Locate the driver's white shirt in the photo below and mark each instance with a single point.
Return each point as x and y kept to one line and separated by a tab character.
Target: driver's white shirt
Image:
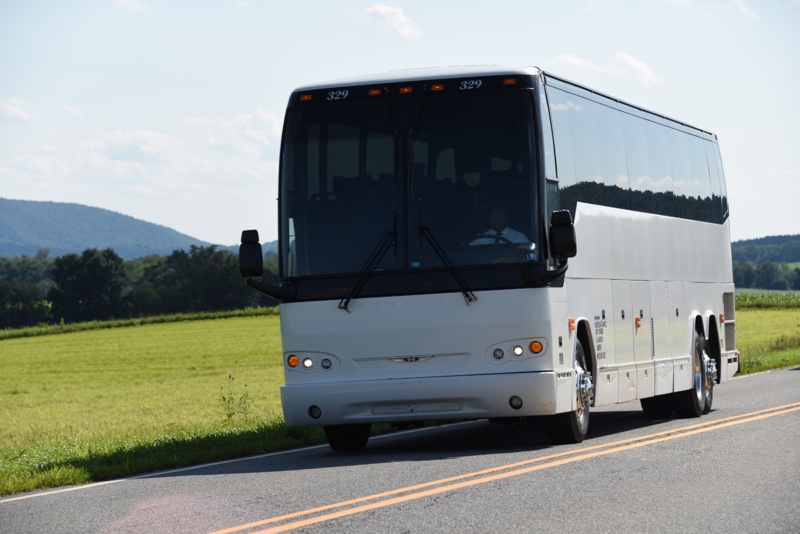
508	233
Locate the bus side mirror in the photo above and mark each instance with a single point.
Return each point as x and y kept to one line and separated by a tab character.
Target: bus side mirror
251	260
563	243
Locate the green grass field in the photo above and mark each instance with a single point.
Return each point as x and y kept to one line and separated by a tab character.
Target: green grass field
94	404
99	403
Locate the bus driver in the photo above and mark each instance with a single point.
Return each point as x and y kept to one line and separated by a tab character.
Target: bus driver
499	232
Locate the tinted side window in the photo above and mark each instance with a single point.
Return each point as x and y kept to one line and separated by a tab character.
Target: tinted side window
547	139
720	195
651	187
562	105
692	179
608	157
590	152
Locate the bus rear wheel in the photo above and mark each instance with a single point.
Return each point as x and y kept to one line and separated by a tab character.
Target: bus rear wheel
697	400
347	438
571	427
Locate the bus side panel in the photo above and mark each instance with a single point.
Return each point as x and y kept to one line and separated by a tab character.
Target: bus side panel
592	301
679	327
615	244
623	325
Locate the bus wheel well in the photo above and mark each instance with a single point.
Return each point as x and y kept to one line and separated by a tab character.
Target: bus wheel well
698	325
712	345
585	337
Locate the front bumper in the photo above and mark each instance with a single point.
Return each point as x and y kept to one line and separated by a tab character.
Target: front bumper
426	399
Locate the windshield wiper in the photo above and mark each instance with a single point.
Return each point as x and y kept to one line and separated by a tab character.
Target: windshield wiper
369	267
469	296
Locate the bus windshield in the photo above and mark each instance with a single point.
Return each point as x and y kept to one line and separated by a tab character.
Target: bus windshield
417	183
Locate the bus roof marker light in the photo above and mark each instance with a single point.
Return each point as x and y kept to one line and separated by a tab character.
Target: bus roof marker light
306	98
510	81
406	90
374	92
437	87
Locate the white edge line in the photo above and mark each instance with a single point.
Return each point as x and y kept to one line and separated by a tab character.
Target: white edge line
203	466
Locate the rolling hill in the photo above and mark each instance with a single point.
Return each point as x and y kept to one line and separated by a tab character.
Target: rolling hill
776	249
27	226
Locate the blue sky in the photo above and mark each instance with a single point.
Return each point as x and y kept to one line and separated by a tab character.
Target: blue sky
170	111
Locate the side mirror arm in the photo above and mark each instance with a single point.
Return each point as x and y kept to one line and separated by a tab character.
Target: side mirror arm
251	266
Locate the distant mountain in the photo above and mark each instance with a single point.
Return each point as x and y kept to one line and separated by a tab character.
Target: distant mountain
27	226
776	249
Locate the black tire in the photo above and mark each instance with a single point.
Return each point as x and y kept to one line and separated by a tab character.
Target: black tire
348	438
659	407
694	402
572	427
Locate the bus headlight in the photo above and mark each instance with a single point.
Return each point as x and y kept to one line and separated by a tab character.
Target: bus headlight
520	349
312	362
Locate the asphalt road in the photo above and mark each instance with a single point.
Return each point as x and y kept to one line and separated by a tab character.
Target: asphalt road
734	470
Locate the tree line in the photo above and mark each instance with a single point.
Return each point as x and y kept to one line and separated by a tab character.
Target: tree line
766	275
100	285
776	249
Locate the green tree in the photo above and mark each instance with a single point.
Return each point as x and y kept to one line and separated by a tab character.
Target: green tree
770	275
89	287
22	304
743	274
202	279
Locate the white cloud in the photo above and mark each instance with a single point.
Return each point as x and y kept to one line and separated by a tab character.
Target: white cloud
393	20
248	134
72	110
743	9
622	64
627	65
131	5
569	106
140	153
15	110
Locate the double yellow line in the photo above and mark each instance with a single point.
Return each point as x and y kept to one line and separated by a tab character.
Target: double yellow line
388	498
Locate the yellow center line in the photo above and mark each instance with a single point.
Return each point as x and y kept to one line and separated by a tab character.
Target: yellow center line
511	470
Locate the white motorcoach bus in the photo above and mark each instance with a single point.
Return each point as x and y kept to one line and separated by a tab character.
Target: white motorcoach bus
470	243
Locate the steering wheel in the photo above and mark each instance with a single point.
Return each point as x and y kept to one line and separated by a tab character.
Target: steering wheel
504	240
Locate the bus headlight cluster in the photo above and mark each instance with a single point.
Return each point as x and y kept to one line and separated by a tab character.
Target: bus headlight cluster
310	362
517	350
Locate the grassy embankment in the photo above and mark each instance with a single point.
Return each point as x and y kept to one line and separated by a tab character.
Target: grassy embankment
97	402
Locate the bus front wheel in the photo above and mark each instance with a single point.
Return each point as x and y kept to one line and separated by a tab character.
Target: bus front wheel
347	438
571	427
